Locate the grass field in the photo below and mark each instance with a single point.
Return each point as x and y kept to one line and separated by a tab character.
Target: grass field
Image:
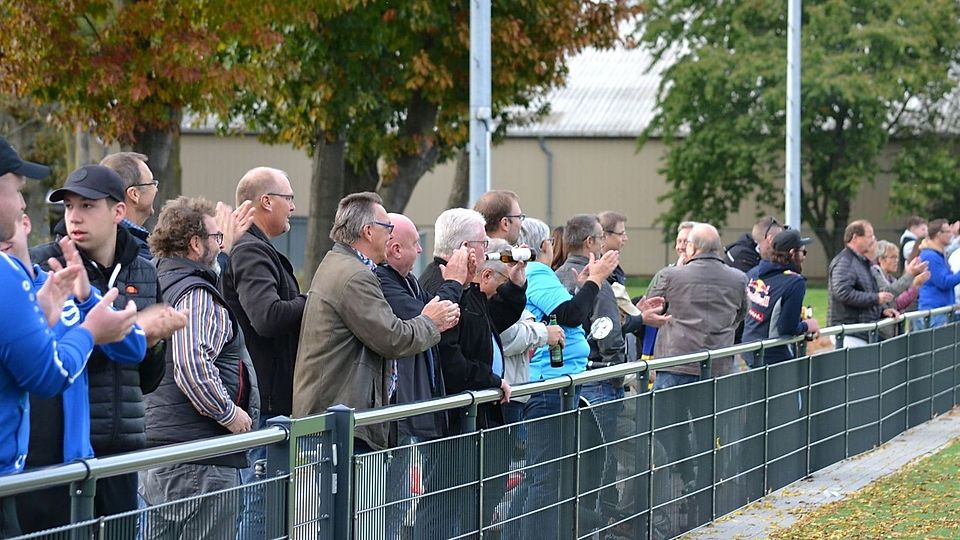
920	501
816	296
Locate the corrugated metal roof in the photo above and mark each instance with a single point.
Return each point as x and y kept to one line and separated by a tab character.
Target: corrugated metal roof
609	93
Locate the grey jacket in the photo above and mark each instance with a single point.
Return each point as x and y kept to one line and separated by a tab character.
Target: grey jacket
611	348
348	339
706	300
519	340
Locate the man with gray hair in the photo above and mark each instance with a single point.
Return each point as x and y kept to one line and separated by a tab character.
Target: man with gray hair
471	353
706	300
139	190
350	336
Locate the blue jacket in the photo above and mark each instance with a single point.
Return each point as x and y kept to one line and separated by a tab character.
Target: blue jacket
33	360
76	402
545	293
776	295
938	290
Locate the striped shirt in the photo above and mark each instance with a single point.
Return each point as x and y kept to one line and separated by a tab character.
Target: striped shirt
194	350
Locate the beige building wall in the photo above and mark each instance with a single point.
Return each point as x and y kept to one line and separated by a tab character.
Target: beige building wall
589	175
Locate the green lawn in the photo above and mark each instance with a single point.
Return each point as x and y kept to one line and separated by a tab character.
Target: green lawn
920	501
816	296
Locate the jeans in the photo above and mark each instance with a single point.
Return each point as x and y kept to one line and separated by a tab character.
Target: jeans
544	443
935	321
252	521
666	379
600	394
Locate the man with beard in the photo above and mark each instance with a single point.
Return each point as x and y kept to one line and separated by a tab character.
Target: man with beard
775	291
210	386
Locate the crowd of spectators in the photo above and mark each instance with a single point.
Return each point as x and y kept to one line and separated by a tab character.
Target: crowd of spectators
121	338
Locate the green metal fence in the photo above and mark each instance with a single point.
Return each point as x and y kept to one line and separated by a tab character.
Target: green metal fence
648	465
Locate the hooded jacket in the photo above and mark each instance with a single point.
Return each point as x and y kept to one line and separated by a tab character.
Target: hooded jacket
775	293
117	410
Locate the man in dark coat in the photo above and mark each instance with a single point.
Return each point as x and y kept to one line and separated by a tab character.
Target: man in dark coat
261	290
419	376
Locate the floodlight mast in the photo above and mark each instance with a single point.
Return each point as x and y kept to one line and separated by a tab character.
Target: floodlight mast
481	103
792	180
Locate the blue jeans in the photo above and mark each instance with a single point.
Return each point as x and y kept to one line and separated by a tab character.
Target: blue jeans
935	321
666	379
544	443
600	394
252	523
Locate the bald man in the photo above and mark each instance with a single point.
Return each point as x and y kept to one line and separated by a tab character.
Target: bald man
706	300
419	376
261	290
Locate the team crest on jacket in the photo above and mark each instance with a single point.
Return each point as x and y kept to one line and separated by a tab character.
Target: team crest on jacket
758	292
70	314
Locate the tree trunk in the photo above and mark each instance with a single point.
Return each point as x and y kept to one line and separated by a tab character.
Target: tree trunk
419	125
162	149
460	191
326	190
366	179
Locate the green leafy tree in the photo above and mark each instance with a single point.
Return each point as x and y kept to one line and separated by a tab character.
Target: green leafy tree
379	93
127	70
873	71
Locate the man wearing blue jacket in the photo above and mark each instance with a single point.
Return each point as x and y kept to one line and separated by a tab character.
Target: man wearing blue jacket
775	290
33	359
938	290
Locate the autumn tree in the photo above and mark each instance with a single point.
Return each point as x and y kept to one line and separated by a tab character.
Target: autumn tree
873	72
127	71
379	93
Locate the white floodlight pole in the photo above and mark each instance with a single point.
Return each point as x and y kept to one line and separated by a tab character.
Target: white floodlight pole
792	181
480	98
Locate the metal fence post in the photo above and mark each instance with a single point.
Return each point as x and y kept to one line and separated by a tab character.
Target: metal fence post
706	370
343	432
82	493
568	472
279	512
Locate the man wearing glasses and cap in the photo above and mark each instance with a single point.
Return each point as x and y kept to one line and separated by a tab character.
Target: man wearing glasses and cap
775	291
749	249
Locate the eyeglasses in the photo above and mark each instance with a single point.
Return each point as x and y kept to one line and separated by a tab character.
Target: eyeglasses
521	217
479	243
621	233
217	235
288	197
155	184
388	226
773	223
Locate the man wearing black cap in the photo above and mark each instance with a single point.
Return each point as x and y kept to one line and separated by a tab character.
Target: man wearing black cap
775	291
93	208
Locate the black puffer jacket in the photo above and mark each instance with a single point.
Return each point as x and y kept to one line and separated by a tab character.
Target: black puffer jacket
853	290
117	410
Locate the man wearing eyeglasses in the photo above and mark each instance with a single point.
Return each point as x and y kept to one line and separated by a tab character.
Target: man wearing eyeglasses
501	210
350	336
139	190
749	249
259	286
775	292
210	385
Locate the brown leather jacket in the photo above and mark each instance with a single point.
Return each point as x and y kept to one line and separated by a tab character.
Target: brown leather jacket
707	299
348	336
